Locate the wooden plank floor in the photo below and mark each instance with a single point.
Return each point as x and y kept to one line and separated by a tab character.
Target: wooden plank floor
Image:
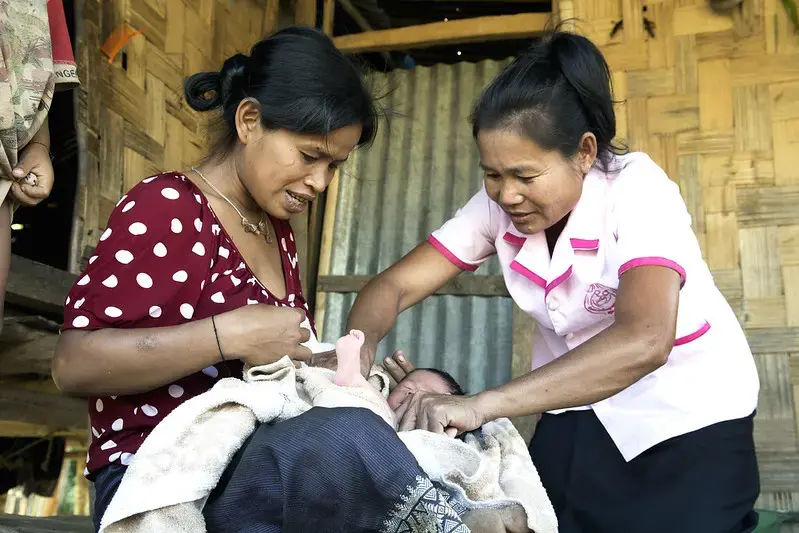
28	524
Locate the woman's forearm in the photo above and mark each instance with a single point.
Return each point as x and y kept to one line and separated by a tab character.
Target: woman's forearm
42	136
111	362
374	312
409	281
594	371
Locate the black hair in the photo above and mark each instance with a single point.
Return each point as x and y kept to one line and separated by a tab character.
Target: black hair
553	93
454	388
302	82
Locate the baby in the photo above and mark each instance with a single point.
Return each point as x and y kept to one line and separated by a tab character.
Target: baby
348	374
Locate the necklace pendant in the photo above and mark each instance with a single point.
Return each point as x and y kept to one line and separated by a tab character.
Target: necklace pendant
249	227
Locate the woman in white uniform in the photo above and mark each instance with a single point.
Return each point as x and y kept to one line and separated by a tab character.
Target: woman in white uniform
641	370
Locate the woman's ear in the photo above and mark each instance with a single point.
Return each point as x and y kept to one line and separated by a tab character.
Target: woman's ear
248	120
587	153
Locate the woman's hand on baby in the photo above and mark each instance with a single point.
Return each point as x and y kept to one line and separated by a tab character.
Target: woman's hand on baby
398	366
439	413
261	334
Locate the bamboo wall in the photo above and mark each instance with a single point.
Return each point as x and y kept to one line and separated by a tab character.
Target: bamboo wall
715	100
132	117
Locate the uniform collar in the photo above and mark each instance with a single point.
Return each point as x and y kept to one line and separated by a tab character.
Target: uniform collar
582	233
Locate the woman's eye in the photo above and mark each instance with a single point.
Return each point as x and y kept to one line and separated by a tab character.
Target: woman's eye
491	176
333	166
524	179
309	158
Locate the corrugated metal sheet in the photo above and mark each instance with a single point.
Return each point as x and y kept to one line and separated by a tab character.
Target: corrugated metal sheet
421	169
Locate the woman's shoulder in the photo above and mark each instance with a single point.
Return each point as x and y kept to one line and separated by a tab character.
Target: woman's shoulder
170	189
163	206
636	173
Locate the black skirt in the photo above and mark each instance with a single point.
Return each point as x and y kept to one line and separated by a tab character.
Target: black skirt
706	481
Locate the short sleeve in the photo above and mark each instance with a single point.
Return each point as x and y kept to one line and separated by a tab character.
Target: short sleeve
653	226
151	263
468	238
66	72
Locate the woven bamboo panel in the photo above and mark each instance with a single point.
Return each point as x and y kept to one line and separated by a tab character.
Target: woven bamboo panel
714	99
131	112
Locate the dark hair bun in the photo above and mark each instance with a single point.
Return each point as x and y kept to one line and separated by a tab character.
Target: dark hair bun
210	90
203	91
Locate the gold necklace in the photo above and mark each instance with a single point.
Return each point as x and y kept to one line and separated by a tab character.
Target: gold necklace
261	229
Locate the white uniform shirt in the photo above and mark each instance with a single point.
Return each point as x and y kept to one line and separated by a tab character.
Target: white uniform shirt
631	217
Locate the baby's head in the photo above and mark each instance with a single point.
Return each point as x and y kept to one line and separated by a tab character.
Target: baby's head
424	380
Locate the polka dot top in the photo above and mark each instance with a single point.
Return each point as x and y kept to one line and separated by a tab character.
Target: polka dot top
164	260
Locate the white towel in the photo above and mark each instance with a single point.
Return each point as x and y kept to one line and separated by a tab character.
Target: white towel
181	461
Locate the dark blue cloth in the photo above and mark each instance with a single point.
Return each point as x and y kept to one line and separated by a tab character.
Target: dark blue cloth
328	470
703	482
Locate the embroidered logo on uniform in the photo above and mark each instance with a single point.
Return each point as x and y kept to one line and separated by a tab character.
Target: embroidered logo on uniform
600	300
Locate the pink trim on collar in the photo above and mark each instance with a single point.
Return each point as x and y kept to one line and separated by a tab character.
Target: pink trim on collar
514	239
449	255
653	261
557	281
584	244
693	336
527	273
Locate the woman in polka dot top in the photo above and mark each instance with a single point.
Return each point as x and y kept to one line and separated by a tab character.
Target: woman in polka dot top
197	271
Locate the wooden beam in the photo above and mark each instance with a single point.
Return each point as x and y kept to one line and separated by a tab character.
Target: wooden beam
55	412
356	15
328	16
443	33
460	286
305	13
38	287
26	348
271	14
362	23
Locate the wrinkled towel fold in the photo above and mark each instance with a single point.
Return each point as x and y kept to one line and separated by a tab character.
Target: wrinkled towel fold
182	460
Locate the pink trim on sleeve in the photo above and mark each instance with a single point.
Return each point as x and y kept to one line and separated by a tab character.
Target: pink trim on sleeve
557	281
449	255
584	244
529	274
693	336
514	239
653	261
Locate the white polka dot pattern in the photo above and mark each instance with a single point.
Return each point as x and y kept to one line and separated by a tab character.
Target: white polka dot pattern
164	259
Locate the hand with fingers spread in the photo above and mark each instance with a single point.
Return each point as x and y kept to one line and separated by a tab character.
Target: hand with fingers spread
262	334
33	175
440	413
398	366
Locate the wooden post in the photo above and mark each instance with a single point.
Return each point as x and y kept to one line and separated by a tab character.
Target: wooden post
271	14
305	13
326	249
328	15
522	363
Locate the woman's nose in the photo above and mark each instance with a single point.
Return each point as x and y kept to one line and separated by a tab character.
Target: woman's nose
319	179
510	196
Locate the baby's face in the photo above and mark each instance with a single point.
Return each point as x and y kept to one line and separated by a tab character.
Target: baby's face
418	380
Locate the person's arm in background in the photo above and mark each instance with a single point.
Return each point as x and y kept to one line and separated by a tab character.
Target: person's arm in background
409	281
34	159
